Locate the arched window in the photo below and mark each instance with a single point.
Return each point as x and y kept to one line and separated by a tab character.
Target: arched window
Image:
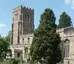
28	40
66	47
26	52
28	17
25	17
22	40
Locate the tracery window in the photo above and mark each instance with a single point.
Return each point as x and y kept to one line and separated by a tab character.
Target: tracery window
66	48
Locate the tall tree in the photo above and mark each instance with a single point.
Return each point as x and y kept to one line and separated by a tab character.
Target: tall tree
64	21
45	45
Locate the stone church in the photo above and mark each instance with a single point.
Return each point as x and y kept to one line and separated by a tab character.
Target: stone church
22	36
22	32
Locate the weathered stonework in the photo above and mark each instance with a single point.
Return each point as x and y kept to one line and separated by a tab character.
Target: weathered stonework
67	44
22	32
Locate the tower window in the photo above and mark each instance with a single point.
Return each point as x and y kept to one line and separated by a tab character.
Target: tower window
16	17
28	40
23	40
28	17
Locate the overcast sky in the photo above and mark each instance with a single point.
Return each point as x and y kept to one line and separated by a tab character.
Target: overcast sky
58	6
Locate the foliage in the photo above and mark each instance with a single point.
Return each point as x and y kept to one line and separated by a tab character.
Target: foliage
8	37
64	21
15	61
45	45
4	46
60	63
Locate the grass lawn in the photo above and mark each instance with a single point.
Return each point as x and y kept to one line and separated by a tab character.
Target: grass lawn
8	63
25	63
2	62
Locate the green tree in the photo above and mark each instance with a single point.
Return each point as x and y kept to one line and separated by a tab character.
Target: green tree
45	45
9	37
3	48
64	21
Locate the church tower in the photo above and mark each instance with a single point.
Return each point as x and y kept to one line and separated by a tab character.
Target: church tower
22	31
23	22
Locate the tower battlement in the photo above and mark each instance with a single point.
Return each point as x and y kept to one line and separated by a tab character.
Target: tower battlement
22	8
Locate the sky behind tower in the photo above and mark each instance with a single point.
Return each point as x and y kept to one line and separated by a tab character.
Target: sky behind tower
58	6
